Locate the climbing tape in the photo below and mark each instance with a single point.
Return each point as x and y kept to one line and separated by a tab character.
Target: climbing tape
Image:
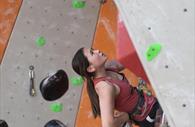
78	4
152	51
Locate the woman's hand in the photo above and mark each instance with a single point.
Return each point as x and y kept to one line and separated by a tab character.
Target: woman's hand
114	64
123	115
120	118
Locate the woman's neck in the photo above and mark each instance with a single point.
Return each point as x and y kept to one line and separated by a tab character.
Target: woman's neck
101	72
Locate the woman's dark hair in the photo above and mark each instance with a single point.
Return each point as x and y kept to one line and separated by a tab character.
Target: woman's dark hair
55	86
3	123
80	64
54	123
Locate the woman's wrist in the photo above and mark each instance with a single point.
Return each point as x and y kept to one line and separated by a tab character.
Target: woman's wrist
125	117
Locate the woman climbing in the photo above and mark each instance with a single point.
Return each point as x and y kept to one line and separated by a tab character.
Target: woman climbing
109	90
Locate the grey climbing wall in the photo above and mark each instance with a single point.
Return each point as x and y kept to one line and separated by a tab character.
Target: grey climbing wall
65	29
170	23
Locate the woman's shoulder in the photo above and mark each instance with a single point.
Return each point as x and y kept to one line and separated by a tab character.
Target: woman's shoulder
104	86
103	83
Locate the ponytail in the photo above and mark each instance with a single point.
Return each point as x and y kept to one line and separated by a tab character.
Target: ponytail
93	97
79	65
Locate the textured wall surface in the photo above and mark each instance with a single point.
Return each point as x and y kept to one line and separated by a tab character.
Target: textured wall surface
8	13
171	73
65	29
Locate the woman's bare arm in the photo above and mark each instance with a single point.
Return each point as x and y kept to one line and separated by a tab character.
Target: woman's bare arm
106	92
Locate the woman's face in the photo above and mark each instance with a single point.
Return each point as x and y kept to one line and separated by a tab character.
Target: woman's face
95	57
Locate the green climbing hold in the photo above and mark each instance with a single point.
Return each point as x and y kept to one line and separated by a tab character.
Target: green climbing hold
76	81
152	51
56	107
40	41
78	4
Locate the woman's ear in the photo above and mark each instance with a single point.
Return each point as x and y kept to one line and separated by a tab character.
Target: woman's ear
91	68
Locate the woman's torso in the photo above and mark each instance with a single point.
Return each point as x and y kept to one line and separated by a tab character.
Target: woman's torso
126	95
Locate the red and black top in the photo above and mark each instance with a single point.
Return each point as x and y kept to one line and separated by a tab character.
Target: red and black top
128	97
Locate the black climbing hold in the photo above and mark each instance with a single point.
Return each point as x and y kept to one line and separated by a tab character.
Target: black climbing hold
55	86
3	123
54	123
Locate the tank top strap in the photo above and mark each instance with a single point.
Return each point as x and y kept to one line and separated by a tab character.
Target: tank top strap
96	80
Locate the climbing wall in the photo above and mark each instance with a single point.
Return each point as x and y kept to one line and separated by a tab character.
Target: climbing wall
171	72
46	35
8	13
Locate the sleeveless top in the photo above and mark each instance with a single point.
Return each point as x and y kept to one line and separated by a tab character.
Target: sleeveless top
127	99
